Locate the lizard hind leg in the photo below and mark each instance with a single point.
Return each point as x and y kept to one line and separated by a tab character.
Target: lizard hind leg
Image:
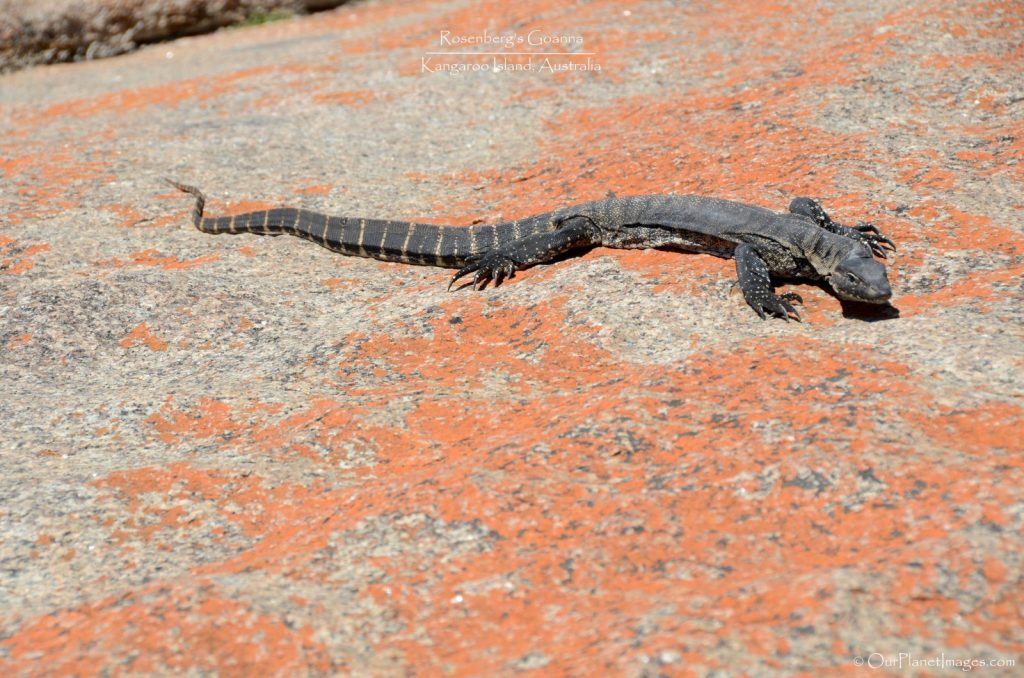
503	261
755	283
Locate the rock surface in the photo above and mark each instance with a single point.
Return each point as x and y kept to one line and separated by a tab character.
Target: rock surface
252	456
52	31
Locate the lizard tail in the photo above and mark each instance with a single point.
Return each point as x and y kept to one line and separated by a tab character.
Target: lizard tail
197	211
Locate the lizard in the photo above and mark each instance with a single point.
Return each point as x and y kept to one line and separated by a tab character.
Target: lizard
802	243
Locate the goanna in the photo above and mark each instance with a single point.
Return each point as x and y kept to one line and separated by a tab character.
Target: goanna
803	243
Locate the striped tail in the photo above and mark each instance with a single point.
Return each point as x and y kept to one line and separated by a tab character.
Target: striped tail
398	241
197	211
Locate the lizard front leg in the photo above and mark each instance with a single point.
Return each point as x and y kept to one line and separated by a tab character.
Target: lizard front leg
863	232
570	233
756	285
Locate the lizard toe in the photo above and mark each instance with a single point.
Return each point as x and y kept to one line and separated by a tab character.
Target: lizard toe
790	310
493	267
465	270
777	308
504	271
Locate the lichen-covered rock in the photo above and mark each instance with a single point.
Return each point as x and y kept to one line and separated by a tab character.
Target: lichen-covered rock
240	456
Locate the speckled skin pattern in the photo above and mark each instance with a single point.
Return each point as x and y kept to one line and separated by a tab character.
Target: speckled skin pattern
245	456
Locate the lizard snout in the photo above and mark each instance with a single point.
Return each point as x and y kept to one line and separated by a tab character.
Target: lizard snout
861	279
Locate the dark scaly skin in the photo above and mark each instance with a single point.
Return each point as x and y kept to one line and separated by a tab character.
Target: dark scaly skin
805	243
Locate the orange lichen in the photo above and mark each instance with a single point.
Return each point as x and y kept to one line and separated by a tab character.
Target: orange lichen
141	334
16	259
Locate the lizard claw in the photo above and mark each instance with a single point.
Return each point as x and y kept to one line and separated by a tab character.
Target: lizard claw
489	267
785	309
779	306
474	264
784	301
879	245
869	234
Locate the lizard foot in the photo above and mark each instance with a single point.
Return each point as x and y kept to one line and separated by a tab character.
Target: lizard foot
777	305
491	266
869	234
755	283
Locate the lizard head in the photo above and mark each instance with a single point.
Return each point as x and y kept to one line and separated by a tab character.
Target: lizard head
860	278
